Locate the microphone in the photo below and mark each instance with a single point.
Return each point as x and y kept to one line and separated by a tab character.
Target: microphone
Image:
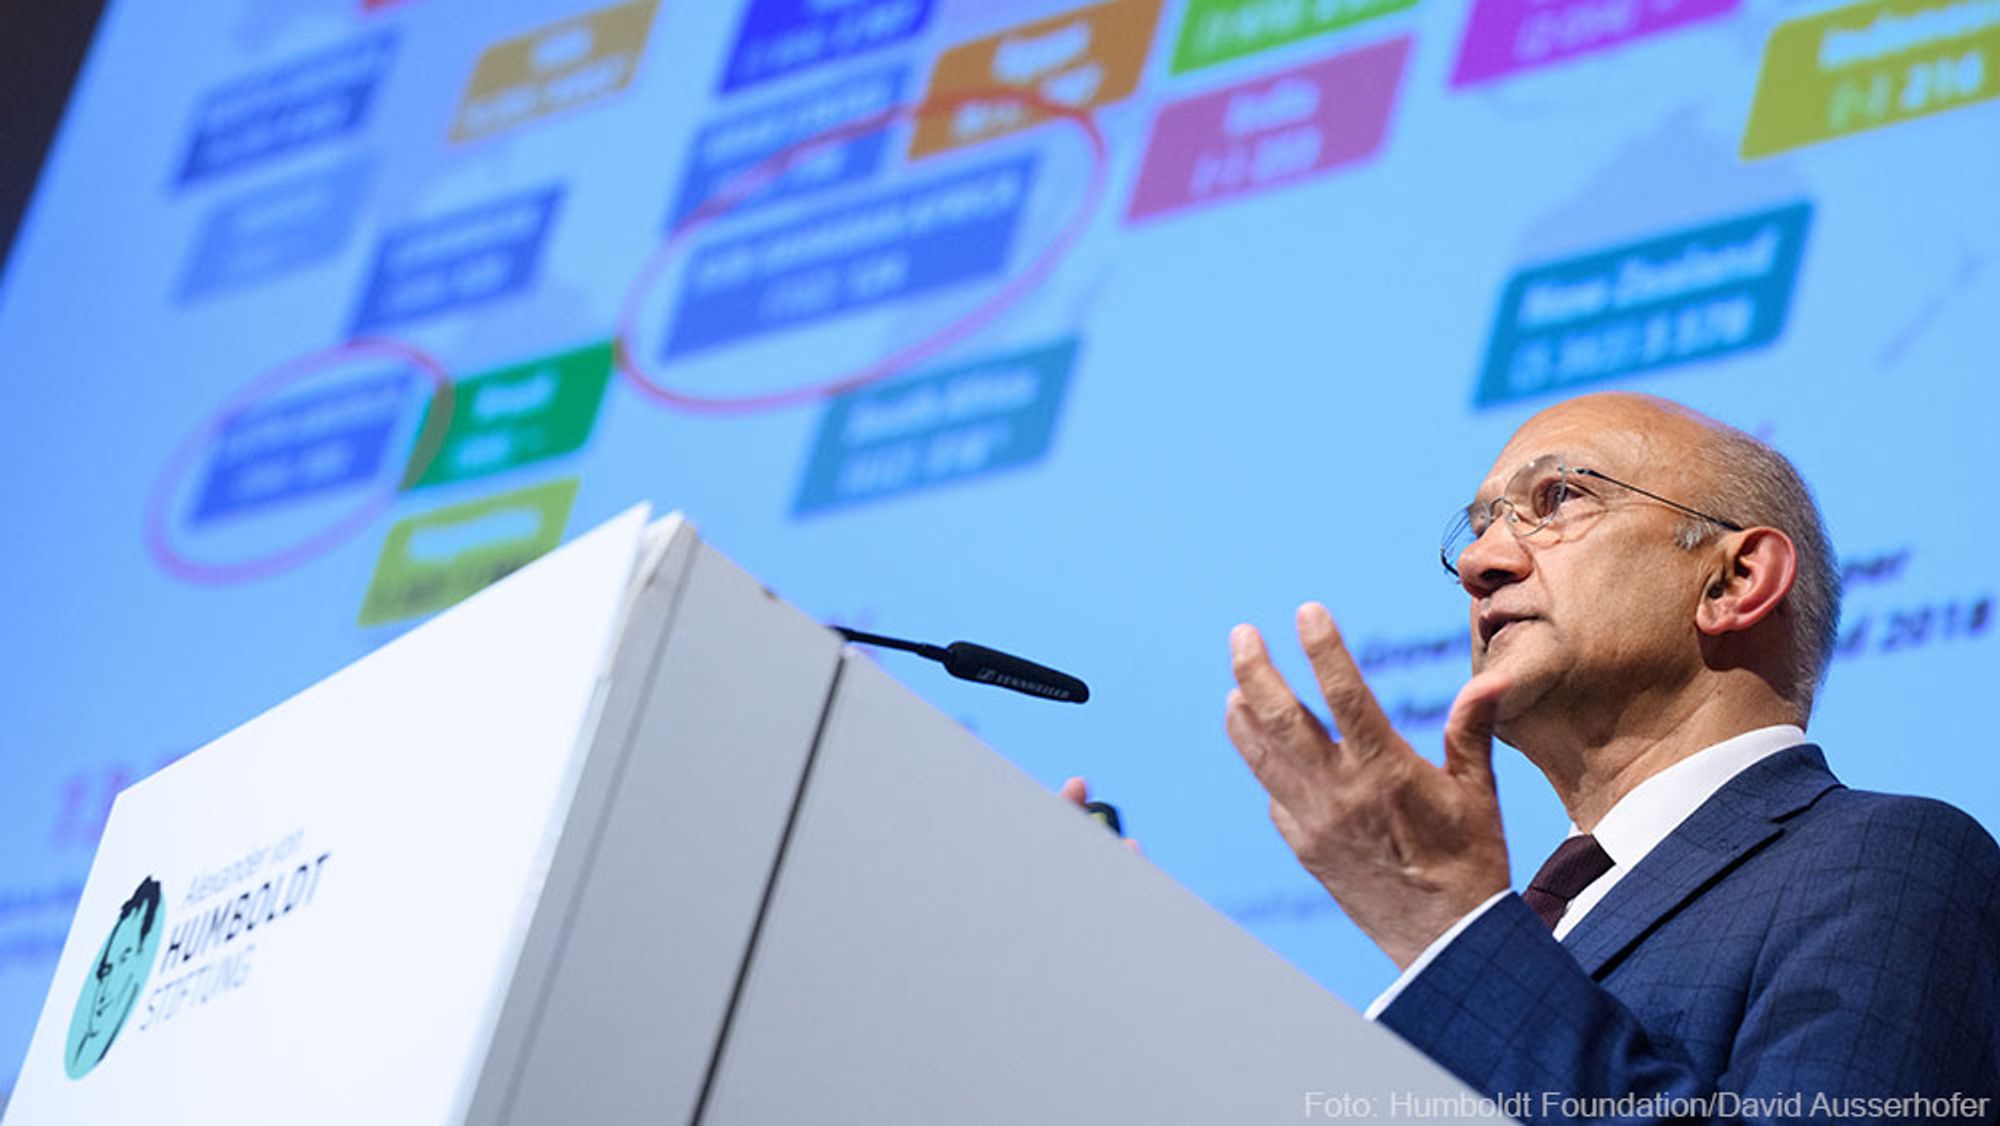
982	665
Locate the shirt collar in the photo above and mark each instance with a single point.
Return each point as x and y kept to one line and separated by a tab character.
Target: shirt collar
1655	807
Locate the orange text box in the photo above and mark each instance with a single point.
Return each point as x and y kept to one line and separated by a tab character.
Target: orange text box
1081	60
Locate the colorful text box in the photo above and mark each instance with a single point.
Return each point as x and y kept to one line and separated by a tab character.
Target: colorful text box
300	446
779	37
436	560
728	153
936	428
302	103
520	414
463	258
555	68
1275	130
1214	31
274	230
952	229
1869	65
1692	295
1080	60
1503	37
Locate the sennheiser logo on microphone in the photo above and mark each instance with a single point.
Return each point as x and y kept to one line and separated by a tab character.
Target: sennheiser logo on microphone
1033	687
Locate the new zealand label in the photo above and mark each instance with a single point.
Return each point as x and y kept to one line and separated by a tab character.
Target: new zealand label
1507	36
438	559
521	414
1081	60
302	103
1870	65
274	230
779	37
1215	31
462	258
952	229
1275	130
558	67
1697	294
728	154
935	428
300	446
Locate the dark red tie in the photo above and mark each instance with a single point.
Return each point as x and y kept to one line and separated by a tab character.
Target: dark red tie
1570	869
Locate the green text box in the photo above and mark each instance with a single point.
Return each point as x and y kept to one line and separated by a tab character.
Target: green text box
1215	31
523	413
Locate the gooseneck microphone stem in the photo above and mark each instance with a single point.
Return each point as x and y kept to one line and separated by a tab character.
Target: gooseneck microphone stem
934	652
981	665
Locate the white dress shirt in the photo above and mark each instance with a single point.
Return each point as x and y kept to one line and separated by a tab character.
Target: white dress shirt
1631	829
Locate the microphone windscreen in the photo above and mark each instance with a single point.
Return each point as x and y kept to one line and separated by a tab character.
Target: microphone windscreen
967	661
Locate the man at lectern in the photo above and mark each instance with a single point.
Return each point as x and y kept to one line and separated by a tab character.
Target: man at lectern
1729	933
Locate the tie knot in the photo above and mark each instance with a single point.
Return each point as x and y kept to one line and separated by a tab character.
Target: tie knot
1571	868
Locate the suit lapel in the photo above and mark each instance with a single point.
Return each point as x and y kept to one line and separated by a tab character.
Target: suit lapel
1745	813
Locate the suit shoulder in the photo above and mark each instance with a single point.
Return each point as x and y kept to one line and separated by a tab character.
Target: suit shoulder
1892	836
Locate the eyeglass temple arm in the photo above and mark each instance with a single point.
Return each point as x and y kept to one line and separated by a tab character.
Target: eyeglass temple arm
1729	524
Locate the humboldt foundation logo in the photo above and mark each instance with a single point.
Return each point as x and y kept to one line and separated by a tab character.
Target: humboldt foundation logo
116	979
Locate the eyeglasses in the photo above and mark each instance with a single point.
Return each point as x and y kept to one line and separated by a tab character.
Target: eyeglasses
1537	502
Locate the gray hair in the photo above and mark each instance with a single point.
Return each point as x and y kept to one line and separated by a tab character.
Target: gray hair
1755	485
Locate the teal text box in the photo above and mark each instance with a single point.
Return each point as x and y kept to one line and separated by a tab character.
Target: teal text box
1693	295
935	428
518	415
1215	31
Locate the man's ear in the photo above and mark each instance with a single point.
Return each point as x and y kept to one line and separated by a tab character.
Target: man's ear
1757	570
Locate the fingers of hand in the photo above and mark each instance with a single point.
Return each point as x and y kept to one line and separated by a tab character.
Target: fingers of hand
1281	758
1364	728
1265	695
1468	728
1075	790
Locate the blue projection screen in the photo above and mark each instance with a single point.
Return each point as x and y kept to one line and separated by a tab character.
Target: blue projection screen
1084	332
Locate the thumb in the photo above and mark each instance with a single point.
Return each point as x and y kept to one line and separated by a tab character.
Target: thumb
1468	729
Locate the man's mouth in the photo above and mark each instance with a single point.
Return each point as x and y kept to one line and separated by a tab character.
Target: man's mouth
1491	626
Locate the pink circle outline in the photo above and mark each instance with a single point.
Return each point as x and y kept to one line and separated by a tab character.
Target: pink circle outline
744	183
429	441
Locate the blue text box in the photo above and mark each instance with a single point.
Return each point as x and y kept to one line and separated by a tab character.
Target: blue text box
1692	295
782	36
274	230
952	229
724	151
305	102
935	428
462	258
300	446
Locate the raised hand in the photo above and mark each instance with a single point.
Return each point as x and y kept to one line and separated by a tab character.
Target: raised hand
1405	847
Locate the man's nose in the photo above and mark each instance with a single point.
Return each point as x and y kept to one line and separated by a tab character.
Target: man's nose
1496	558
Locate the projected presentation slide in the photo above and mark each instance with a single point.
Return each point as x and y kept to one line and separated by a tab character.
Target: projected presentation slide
1080	331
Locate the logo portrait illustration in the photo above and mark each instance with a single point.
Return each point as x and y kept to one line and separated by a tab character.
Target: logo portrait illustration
115	980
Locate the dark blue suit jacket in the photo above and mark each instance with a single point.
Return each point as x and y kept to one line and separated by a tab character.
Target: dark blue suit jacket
1793	939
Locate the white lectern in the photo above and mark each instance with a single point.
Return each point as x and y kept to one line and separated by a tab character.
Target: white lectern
627	839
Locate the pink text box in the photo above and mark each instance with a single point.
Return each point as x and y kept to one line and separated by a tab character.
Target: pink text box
1505	36
1279	129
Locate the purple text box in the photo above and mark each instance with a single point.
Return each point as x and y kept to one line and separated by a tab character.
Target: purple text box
1274	130
1506	36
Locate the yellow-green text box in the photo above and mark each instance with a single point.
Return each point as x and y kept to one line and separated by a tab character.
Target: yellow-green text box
439	558
1869	65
